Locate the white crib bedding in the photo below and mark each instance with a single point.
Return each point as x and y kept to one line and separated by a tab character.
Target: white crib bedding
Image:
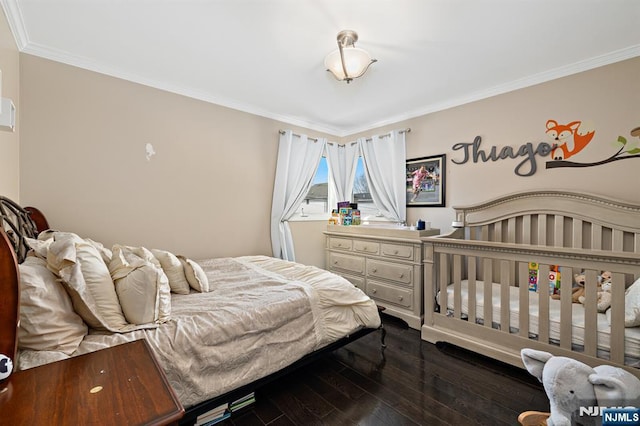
632	334
263	315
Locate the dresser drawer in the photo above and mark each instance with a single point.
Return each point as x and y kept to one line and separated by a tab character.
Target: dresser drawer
345	262
384	264
390	271
356	281
397	296
397	251
340	243
366	247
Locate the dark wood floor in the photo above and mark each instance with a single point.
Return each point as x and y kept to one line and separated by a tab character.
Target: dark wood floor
416	383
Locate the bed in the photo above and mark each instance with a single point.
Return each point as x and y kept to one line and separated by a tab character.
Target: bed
489	283
239	323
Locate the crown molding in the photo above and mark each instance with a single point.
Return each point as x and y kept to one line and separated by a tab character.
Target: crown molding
577	67
14	17
16	23
83	63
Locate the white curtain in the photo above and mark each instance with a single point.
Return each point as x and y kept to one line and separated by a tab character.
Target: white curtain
298	159
384	159
341	162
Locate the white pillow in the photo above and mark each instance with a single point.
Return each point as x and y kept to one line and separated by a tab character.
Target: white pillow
195	275
47	319
142	288
45	238
104	252
40	248
172	266
144	253
61	250
88	282
53	234
631	306
133	256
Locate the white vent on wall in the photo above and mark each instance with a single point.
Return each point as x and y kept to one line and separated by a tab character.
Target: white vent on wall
7	111
7	115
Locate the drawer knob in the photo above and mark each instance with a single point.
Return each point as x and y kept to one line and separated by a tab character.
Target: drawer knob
374	270
401	275
335	262
395	252
373	291
339	244
400	298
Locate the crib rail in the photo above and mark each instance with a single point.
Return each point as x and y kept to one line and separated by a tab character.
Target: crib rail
554	218
453	265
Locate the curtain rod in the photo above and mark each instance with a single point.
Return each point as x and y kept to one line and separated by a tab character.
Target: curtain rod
386	135
282	132
407	130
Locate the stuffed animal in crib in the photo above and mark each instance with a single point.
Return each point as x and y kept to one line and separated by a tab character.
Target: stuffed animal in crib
577	290
604	292
571	384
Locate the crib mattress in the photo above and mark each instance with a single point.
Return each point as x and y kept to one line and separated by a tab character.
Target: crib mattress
632	334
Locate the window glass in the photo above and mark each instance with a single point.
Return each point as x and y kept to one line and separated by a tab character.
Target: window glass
320	199
362	195
317	200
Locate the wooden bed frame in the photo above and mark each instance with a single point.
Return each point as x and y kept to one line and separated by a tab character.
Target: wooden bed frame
28	222
494	242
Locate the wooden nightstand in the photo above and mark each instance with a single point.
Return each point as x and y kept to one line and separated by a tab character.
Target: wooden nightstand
122	385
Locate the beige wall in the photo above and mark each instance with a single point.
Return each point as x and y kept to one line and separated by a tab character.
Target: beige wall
607	97
309	242
207	191
9	141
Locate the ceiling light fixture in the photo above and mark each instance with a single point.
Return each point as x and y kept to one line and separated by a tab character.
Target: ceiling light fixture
348	62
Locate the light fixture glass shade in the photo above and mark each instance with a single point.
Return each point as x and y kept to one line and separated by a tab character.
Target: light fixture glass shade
356	62
348	62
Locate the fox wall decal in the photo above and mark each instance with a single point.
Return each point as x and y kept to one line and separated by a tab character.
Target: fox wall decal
568	138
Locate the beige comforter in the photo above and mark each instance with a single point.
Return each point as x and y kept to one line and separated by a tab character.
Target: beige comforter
262	315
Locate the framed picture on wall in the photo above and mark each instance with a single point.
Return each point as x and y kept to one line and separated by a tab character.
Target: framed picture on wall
426	181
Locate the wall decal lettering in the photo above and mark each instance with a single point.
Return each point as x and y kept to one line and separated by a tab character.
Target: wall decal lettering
473	152
567	141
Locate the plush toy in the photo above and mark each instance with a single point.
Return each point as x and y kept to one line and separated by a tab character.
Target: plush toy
604	292
577	290
604	277
571	384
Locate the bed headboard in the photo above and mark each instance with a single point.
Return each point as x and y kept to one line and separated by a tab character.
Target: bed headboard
9	301
16	224
554	218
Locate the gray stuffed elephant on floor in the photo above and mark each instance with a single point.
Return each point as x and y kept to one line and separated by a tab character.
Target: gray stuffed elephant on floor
571	384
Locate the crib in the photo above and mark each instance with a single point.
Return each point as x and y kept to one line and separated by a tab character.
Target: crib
488	288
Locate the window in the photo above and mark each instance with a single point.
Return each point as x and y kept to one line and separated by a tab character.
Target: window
316	203
362	195
320	199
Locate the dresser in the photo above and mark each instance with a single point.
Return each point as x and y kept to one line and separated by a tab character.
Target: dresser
384	262
121	385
